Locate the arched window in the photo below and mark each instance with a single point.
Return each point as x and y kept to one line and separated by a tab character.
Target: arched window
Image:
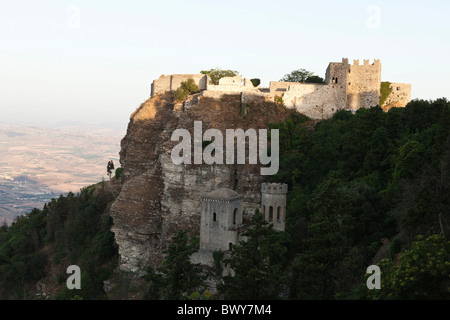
230	246
214	217
278	214
235	215
270	214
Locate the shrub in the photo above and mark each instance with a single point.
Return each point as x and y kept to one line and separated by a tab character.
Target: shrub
186	88
385	91
119	172
256	82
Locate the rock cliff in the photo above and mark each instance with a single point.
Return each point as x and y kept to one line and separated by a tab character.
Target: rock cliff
157	197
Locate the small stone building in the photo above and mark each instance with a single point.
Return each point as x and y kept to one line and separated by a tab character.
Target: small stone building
221	218
273	204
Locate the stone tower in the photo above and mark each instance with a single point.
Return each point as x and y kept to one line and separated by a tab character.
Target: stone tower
360	84
273	204
363	84
221	219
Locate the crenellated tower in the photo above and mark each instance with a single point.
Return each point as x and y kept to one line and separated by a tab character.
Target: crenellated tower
273	204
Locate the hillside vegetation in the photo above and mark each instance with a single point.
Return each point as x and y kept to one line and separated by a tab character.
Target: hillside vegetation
365	188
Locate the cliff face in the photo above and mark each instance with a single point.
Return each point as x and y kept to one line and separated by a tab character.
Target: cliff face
158	197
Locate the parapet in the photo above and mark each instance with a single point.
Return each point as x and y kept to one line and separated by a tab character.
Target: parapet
274	188
376	62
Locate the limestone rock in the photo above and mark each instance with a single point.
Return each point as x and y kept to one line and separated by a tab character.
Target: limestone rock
158	197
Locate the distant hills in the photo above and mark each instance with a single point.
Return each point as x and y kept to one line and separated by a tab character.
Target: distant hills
38	163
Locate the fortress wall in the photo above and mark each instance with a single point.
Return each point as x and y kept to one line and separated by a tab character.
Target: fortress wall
363	85
173	82
218	94
278	88
317	101
400	95
161	85
199	79
227	84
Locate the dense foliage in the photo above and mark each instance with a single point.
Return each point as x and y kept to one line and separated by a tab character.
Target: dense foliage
70	230
177	277
258	264
303	76
186	88
359	181
367	188
385	91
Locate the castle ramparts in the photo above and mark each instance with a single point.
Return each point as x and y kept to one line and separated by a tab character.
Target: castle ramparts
347	87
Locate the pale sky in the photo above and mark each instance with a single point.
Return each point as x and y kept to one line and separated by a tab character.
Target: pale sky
94	61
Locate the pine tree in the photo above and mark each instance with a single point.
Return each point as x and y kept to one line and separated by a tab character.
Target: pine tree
177	277
258	264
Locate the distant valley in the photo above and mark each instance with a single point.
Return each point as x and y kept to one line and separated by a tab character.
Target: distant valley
38	163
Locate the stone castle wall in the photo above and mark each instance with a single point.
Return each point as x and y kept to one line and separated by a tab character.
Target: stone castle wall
347	86
399	96
363	85
173	82
317	101
217	235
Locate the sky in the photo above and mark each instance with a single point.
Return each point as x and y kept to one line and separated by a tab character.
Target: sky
94	61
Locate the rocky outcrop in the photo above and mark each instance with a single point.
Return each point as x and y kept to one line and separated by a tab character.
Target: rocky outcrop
158	197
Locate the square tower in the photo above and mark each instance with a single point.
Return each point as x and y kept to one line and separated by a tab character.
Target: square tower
273	204
222	215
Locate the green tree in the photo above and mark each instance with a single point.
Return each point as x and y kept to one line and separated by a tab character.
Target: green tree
315	275
258	264
299	75
422	272
256	82
314	79
177	277
216	74
110	168
186	88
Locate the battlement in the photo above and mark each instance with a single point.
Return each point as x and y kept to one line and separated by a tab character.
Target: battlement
347	87
376	62
274	188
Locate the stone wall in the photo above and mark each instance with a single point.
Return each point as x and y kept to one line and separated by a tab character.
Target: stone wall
336	72
278	88
317	101
363	85
173	82
399	97
347	86
218	234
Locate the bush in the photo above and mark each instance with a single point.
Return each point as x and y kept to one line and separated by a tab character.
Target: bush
216	74
385	91
256	82
186	88
119	172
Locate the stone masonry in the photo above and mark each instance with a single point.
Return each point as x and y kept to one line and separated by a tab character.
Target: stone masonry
347	87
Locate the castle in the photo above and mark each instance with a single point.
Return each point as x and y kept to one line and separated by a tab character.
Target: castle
222	218
347	87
